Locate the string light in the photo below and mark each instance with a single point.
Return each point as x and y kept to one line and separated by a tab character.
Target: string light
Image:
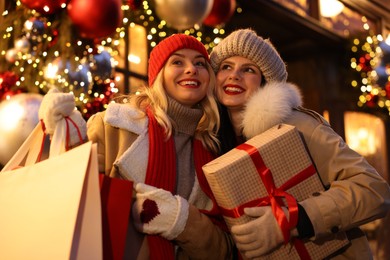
371	61
58	58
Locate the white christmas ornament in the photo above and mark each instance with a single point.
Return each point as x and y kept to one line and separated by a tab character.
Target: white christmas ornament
183	14
18	117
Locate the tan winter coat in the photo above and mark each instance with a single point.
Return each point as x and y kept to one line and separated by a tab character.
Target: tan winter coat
357	194
121	133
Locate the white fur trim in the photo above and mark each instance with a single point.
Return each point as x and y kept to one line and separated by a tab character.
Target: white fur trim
126	117
269	106
132	164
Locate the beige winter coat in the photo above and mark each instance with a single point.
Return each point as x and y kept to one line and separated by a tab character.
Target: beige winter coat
121	133
357	194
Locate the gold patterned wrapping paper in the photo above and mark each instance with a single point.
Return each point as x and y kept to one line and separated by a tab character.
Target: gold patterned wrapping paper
234	181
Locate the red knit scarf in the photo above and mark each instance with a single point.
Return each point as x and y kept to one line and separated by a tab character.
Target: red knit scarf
161	173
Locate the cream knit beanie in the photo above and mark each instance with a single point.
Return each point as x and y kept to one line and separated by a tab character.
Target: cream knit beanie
246	43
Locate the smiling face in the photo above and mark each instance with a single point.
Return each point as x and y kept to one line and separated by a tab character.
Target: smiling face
238	78
185	77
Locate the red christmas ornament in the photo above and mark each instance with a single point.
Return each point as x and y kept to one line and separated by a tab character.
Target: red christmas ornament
95	18
8	79
134	4
221	12
9	93
45	6
372	100
364	63
387	89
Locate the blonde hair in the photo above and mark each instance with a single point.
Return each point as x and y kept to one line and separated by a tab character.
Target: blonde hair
156	97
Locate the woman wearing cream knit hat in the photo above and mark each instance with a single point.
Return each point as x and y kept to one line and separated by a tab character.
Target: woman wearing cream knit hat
255	96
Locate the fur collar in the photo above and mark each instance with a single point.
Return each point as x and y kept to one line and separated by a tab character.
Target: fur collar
269	106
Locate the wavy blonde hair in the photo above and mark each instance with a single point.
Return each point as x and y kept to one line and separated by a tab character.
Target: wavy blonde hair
156	97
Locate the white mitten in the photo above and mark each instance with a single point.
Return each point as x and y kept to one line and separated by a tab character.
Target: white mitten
54	108
259	236
158	212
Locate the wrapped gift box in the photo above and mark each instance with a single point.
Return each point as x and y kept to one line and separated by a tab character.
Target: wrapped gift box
235	182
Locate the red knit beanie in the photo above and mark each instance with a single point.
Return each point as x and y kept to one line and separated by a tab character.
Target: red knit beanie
162	51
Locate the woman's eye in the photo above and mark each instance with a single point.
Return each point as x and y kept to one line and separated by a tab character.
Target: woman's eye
200	63
176	62
249	69
225	67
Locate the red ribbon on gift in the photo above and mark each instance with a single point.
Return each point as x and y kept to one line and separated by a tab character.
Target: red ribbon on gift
274	197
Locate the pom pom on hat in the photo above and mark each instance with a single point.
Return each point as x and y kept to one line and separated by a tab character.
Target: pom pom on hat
162	51
246	43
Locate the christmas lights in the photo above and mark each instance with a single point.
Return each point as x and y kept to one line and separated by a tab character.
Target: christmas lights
42	50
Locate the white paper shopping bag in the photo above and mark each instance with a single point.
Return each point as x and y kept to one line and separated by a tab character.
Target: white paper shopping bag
51	209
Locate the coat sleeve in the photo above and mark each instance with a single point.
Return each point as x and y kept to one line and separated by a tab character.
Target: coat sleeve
201	239
96	134
356	193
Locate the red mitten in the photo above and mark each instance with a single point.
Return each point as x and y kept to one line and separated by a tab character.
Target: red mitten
158	212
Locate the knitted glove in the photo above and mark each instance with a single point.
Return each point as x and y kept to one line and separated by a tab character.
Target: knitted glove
259	236
54	107
158	212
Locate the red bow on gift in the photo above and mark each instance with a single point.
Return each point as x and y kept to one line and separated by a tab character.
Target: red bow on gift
274	198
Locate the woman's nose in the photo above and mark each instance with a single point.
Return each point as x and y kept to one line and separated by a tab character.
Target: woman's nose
234	74
191	69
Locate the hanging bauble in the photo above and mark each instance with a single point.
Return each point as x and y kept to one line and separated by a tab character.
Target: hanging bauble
372	100
18	117
95	18
221	12
12	55
34	26
45	6
387	89
9	94
134	4
102	66
385	47
183	14
365	63
382	76
8	80
79	78
22	44
34	30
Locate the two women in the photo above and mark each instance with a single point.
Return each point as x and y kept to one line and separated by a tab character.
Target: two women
163	137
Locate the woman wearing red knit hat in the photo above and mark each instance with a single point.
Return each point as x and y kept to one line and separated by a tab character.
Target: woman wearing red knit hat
160	141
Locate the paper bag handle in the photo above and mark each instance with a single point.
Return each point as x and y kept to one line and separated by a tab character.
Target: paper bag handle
32	147
61	137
